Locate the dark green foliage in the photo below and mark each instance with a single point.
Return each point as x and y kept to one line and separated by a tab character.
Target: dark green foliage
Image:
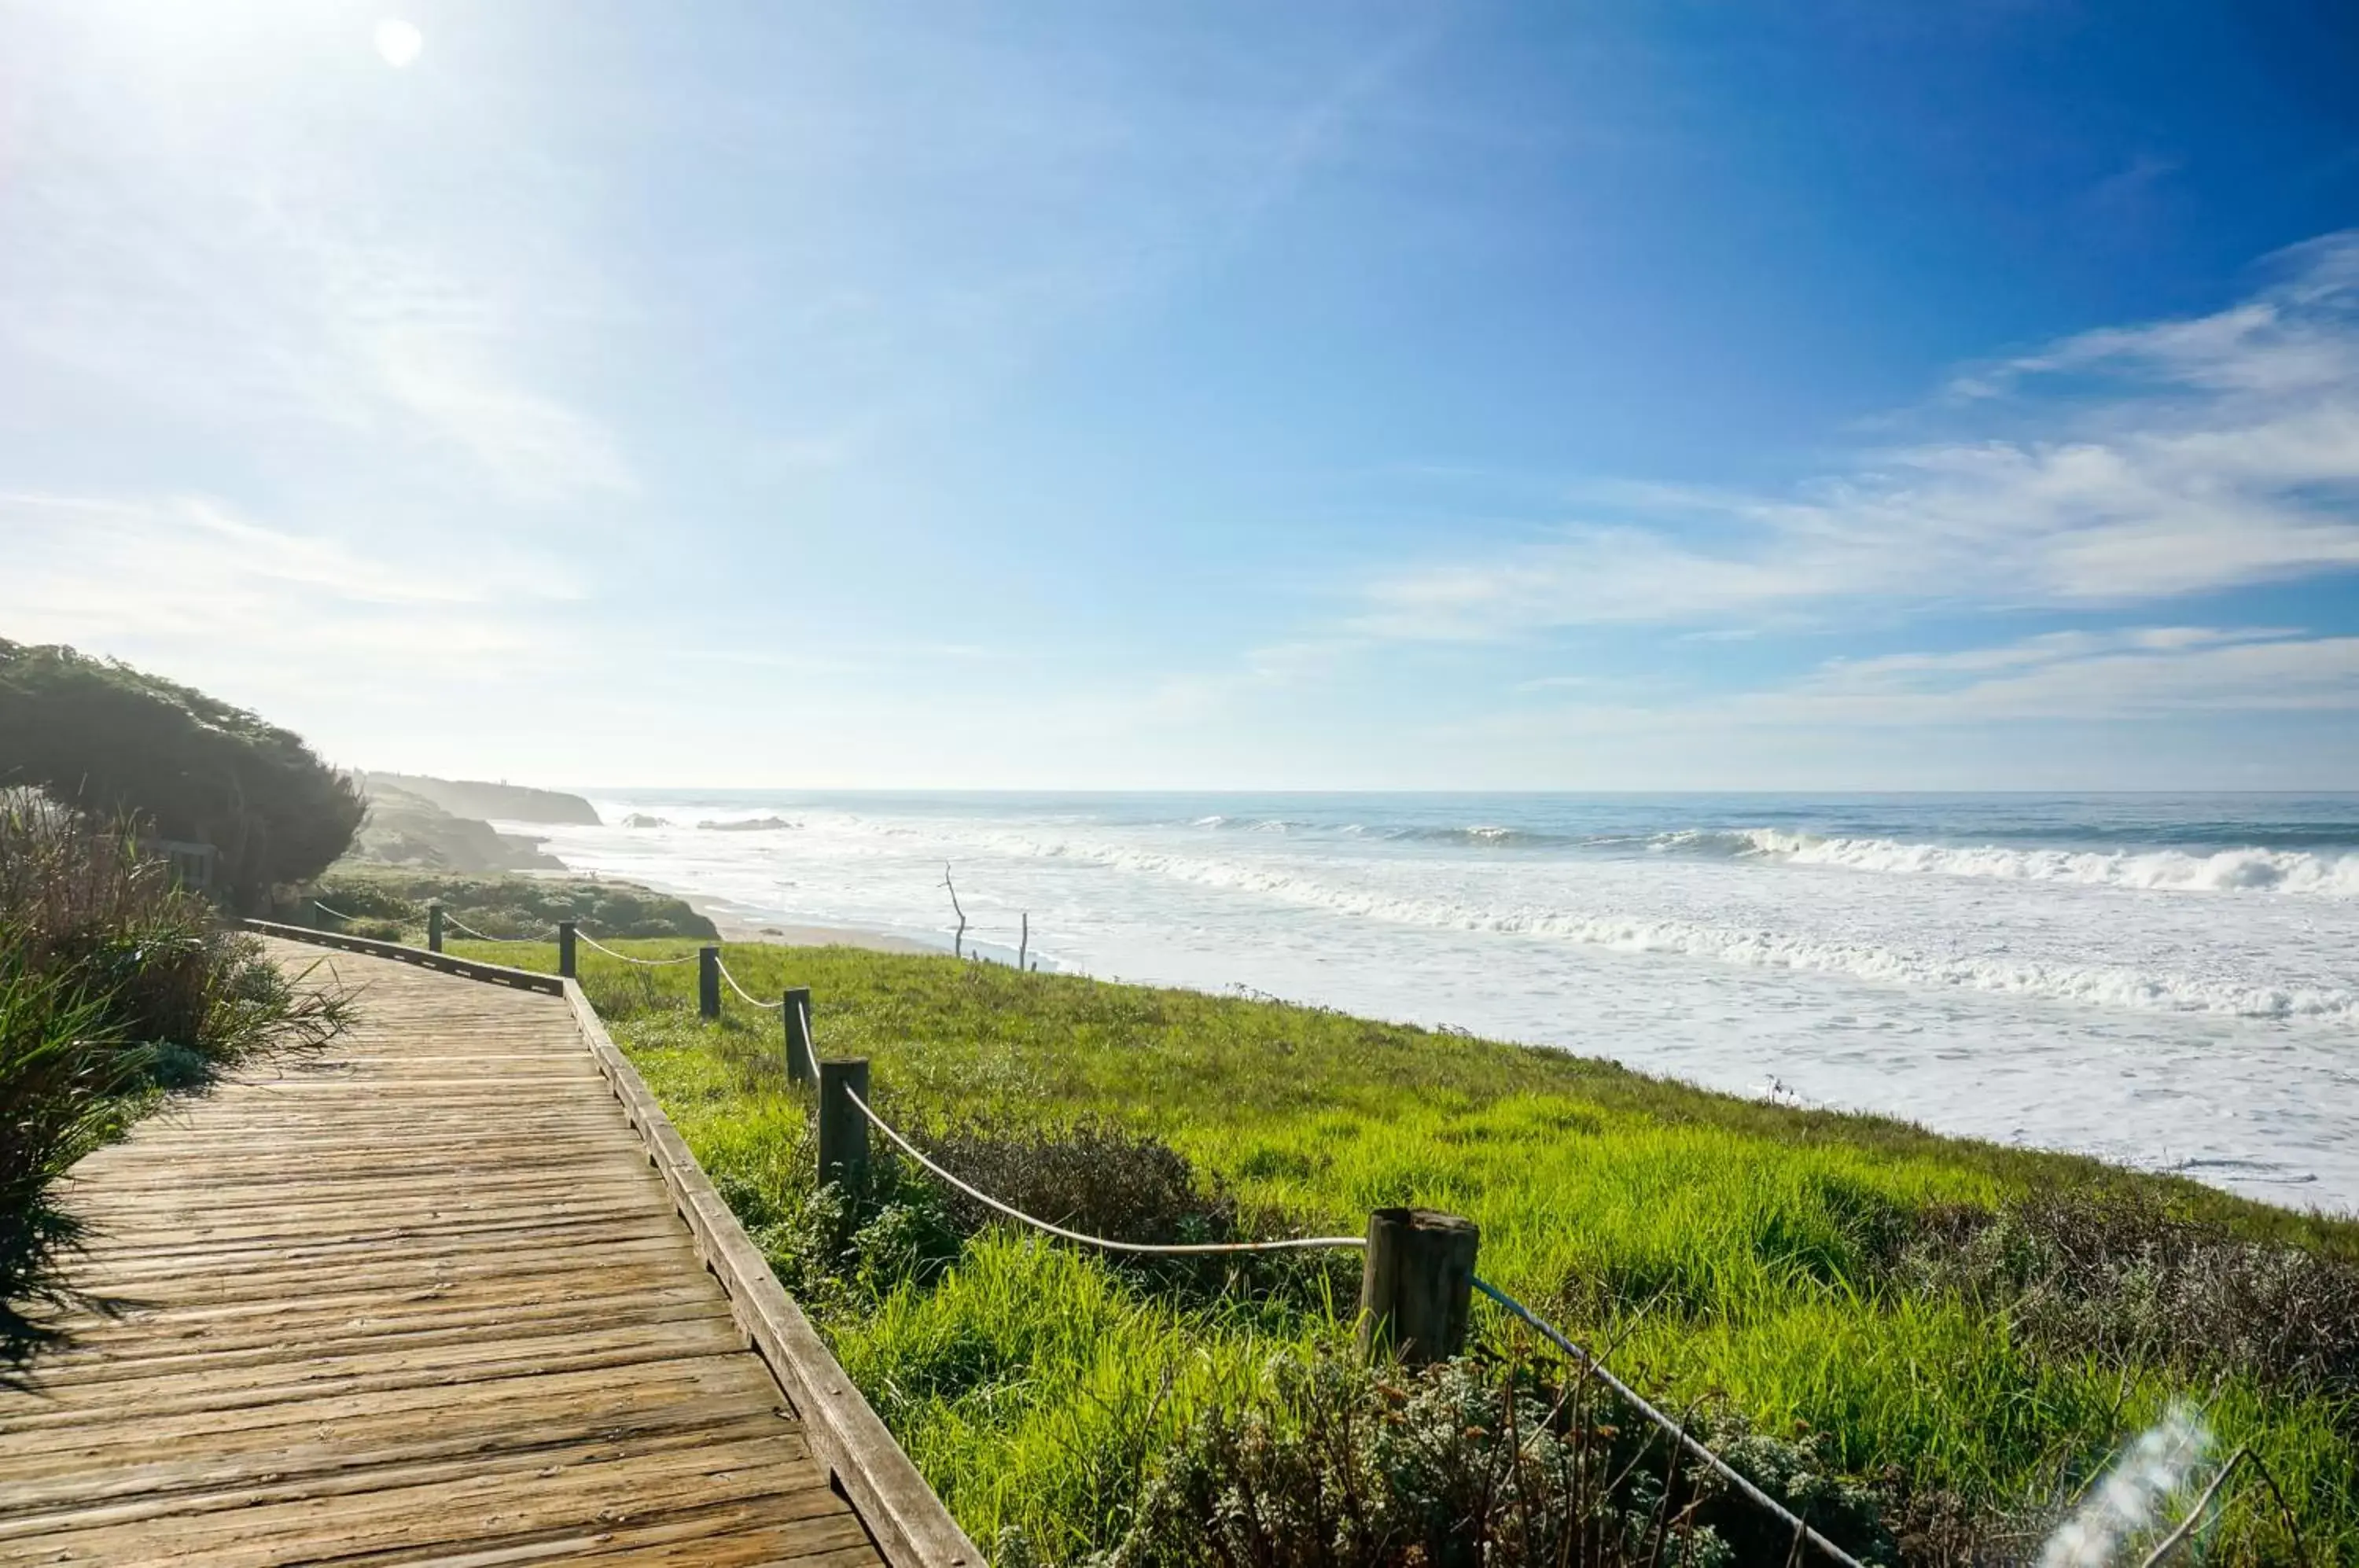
390	903
1338	1465
115	989
2128	1279
114	742
62	1079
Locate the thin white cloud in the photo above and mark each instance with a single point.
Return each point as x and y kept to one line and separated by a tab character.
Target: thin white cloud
160	577
2140	673
2077	677
2185	456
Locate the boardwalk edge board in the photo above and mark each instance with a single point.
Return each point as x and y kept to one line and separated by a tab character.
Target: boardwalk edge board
497	974
911	1527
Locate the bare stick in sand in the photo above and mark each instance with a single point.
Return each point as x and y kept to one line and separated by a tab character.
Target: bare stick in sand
958	940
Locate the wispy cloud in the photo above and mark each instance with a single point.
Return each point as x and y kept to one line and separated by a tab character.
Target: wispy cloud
2182	456
2138	673
2072	677
134	575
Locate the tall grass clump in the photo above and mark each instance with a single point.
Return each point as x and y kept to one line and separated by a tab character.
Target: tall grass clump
1933	1348
116	990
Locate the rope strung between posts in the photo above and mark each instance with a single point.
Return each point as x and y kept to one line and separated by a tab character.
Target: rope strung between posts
1297	1244
643	963
770	1007
1680	1433
1590	1364
455	923
337	913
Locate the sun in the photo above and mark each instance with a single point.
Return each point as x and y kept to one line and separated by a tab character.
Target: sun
398	42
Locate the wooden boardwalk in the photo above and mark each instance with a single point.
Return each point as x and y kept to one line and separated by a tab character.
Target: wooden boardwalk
418	1298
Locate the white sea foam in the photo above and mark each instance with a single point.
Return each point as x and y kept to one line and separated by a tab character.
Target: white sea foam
2097	985
2043	998
2168	870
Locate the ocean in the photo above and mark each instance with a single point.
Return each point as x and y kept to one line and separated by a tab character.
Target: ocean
2171	982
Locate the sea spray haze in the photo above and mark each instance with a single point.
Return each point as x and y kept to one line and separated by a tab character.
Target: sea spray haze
2168	980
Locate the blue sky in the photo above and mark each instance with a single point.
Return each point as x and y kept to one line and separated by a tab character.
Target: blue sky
1616	396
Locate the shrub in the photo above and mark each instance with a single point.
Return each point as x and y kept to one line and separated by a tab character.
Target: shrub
1338	1465
2123	1277
391	904
112	741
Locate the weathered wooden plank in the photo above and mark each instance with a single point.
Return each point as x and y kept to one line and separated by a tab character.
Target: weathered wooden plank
489	1506
416	1338
264	1457
302	1373
581	1295
775	1534
176	1284
488	1407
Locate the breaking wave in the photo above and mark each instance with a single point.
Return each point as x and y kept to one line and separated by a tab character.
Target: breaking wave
2170	870
2087	985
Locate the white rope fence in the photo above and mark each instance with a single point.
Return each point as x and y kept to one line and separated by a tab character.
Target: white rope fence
750	1001
1629	1396
585	937
1165	1249
337	913
464	929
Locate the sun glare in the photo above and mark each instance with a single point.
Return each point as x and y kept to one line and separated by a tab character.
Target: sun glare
398	42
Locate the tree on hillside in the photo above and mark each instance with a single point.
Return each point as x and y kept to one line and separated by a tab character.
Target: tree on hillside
113	741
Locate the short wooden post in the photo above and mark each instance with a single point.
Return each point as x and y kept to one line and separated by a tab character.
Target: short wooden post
434	926
795	1008
1024	943
1417	1284
565	949
708	982
843	1130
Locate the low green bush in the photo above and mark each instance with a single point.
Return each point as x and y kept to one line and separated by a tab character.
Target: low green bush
390	905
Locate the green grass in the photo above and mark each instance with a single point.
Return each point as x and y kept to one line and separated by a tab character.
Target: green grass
1741	1260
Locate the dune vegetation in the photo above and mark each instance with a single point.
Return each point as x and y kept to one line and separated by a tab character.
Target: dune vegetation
389	904
1930	1347
117	744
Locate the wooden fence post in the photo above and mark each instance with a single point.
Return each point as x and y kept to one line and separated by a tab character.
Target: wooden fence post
434	926
708	982
843	1130
565	949
795	1008
1417	1284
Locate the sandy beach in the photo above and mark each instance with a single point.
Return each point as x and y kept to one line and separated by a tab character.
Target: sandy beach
735	928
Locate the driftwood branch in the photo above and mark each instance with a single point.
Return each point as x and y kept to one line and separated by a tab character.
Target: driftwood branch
2202	1505
958	941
